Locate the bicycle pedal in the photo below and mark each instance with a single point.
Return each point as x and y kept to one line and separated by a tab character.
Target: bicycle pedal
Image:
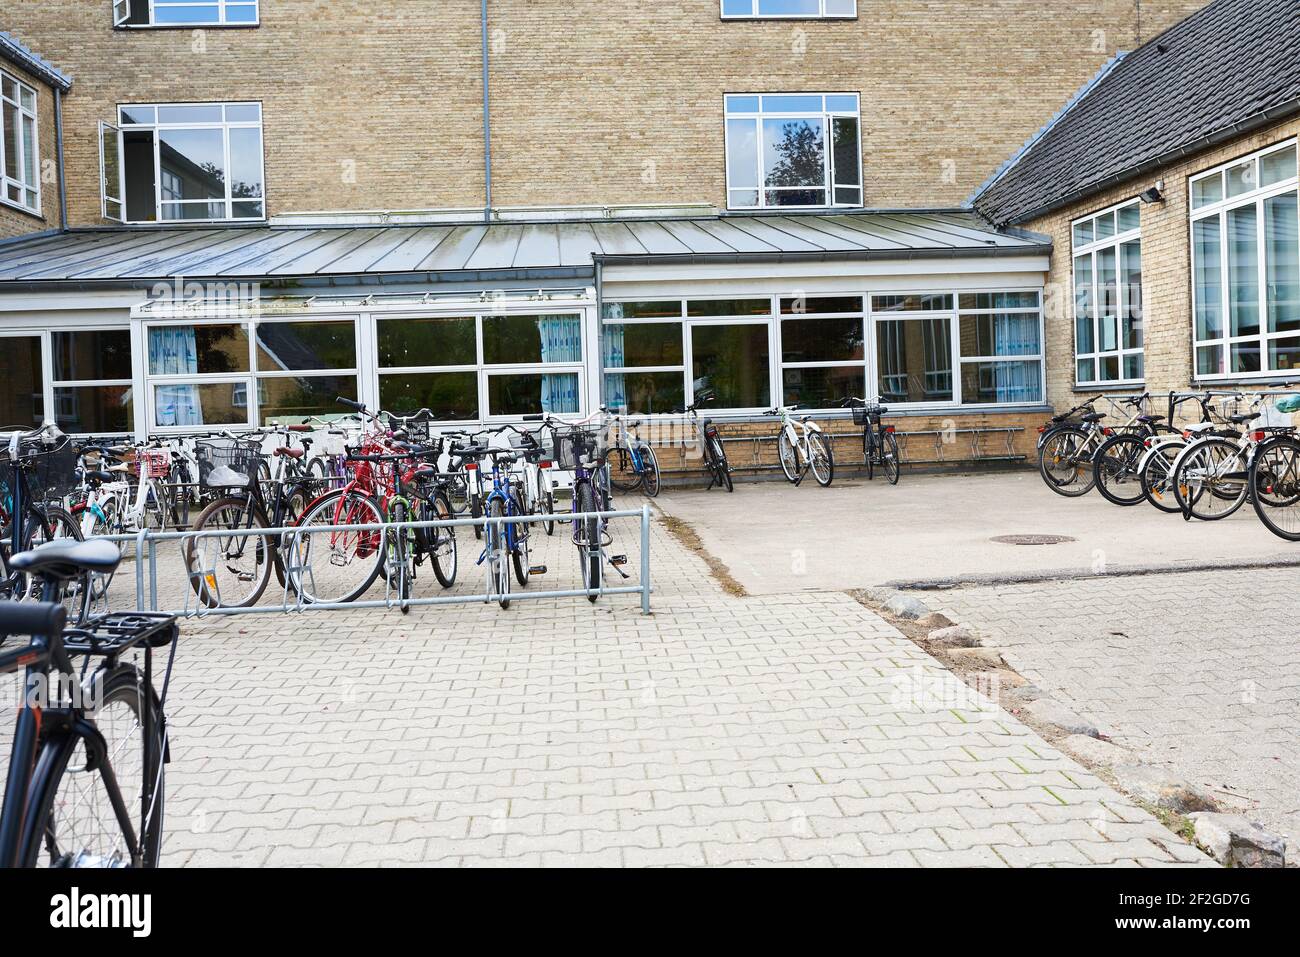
617	560
537	569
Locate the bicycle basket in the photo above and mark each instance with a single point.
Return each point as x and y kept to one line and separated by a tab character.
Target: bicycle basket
569	444
866	414
54	472
223	456
417	430
154	463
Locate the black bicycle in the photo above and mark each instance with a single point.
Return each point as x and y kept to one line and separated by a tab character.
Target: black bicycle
85	781
715	456
40	466
879	444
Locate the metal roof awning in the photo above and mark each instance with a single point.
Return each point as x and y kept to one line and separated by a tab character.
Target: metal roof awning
543	250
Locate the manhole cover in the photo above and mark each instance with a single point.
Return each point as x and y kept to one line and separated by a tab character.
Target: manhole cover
1032	539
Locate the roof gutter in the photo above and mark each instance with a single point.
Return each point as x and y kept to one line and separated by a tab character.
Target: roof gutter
14	51
1249	125
825	255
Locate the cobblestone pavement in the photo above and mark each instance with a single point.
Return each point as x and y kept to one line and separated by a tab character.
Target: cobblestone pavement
797	729
1199	672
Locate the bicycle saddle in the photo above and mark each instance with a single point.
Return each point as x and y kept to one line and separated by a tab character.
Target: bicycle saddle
95	475
1150	418
1244	418
67	558
290	453
1092	417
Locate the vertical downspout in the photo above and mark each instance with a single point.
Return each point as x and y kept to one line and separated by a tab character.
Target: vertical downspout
600	332
58	138
487	123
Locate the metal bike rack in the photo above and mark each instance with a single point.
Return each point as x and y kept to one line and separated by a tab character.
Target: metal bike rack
146	565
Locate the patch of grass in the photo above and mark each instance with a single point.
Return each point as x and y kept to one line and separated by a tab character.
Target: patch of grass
685	533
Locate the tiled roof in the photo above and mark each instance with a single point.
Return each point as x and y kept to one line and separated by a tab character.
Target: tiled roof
17	53
145	254
1231	67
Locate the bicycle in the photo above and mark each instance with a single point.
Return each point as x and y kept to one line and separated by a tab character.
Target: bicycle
1117	463
504	541
635	458
39	465
715	456
232	571
802	446
879	444
84	739
579	450
1213	475
1066	458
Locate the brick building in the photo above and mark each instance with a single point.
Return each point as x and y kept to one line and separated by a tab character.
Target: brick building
272	203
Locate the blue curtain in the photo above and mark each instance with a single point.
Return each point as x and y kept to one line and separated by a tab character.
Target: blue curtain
615	383
1016	334
173	351
561	342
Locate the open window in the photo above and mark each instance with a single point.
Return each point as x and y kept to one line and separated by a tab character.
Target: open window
186	162
110	172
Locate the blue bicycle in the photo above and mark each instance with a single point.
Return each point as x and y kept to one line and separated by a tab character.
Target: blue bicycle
504	542
632	462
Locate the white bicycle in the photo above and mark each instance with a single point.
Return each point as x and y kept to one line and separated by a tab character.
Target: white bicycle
803	447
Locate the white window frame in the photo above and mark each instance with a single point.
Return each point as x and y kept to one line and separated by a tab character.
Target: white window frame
122	10
681	368
119	129
781	319
756	14
33	114
56	384
827	117
870	363
1219	210
255	376
1123	295
482	369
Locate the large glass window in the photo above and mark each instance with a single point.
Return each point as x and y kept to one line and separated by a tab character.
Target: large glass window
1108	334
823	350
795	149
20	181
92	381
780	9
452	365
643	364
730	366
265	373
1246	266
22	389
183	163
176	13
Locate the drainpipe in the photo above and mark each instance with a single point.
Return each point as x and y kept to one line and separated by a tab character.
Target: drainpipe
487	124
58	137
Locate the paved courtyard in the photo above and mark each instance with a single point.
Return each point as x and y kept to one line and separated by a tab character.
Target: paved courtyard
784	729
1199	673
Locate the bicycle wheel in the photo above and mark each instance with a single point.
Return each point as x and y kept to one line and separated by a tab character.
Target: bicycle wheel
333	565
397	565
179	496
54	525
621	476
823	459
498	552
789	457
589	551
1275	481
520	552
720	467
889	457
103	521
1065	463
545	502
1157	476
869	451
442	541
1211	480
229	571
70	820
1117	466
650	479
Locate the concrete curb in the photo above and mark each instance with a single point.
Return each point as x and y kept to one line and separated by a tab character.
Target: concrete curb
1067	574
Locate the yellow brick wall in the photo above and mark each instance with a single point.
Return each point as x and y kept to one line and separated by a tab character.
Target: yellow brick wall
14	221
1166	272
377	105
